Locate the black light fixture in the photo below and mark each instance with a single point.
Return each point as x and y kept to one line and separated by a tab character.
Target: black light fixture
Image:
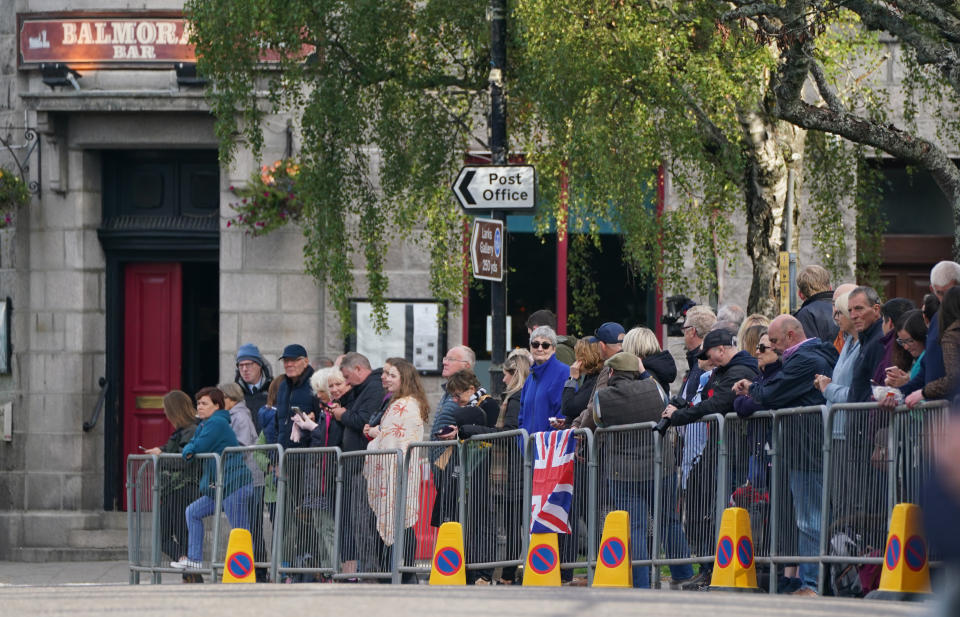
187	75
59	74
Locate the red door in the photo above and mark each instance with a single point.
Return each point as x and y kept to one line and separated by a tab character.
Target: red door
151	351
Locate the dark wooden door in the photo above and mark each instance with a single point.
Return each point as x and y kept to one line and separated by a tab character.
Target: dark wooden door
907	260
151	351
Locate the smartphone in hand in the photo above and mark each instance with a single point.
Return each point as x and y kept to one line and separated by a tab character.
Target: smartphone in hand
447	430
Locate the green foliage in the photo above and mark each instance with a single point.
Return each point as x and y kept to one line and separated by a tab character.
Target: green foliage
388	94
13	194
383	92
615	92
870	223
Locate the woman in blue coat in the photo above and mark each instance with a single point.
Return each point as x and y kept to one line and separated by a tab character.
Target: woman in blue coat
214	435
542	394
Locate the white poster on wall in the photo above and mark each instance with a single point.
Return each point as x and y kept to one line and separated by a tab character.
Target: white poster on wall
378	346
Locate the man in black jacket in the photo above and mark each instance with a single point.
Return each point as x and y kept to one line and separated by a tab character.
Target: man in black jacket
367	400
864	307
368	392
816	312
731	366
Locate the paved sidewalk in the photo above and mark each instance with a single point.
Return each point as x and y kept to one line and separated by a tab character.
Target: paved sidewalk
65	573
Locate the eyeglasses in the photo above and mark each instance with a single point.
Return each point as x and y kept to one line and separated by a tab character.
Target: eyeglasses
763	348
246	364
903	342
449	359
685	328
539	344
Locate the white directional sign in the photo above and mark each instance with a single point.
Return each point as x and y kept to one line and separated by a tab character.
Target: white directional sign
508	187
486	249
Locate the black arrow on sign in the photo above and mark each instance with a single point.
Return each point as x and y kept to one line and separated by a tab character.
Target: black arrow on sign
464	185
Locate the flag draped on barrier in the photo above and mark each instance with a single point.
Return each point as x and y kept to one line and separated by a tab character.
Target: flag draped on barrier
552	481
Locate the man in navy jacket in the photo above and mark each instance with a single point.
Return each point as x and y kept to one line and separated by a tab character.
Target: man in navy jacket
803	359
294	391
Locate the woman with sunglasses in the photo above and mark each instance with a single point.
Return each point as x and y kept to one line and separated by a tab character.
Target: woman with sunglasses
836	389
542	394
769	363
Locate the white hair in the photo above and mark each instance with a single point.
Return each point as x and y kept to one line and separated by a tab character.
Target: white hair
945	273
544	332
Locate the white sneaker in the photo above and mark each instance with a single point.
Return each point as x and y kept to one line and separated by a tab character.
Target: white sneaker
186	564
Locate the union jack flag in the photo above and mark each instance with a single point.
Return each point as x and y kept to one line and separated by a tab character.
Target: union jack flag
552	481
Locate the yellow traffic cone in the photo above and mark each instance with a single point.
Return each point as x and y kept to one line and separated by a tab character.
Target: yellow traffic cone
238	567
613	558
542	568
448	557
733	567
906	574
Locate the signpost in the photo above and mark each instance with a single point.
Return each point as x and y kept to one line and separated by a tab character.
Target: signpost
506	187
486	249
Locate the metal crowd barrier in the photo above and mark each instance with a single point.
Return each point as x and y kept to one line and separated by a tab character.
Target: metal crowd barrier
875	458
436	499
161	487
748	444
255	494
319	513
305	537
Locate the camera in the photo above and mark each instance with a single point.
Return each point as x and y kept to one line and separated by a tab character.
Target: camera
677	307
677	401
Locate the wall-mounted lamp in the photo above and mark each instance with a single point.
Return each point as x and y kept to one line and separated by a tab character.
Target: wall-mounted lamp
187	75
59	74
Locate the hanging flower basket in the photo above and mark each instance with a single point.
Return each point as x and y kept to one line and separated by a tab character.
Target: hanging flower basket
13	194
269	200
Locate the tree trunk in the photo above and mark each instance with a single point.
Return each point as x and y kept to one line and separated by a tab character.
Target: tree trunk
772	144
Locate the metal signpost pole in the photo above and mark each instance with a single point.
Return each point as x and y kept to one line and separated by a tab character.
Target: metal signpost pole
498	148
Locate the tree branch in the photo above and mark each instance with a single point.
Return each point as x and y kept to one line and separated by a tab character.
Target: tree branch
930	52
787	103
826	90
753	10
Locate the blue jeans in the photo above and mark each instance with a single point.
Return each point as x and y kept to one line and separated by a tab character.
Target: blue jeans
807	490
235	505
633	497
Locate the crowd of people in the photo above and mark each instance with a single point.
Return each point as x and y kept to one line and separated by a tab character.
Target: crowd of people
843	345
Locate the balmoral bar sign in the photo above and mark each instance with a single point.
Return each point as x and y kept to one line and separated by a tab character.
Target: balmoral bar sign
105	40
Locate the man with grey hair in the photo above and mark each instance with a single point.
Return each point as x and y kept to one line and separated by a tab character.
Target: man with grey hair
457	359
863	305
699	321
366	402
732	313
943	276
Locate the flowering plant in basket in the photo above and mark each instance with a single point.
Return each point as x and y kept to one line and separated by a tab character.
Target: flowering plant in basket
13	194
269	200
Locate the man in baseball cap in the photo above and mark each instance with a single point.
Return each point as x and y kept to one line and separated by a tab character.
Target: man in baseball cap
610	337
715	338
